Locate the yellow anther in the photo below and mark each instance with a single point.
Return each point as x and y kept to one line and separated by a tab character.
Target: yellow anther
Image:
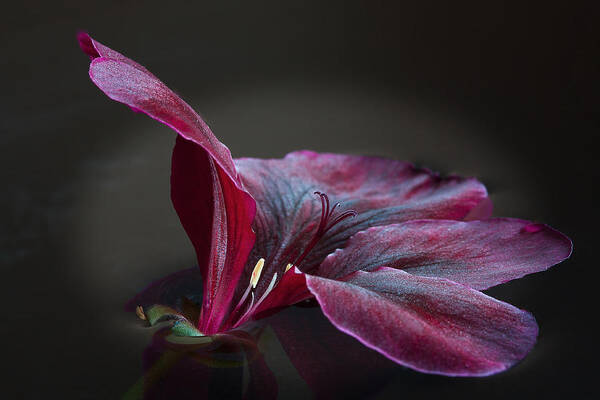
256	272
288	267
139	311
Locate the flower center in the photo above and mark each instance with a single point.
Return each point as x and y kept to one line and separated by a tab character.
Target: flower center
328	220
254	278
325	224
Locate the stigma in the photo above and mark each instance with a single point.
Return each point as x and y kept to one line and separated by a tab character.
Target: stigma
249	303
326	222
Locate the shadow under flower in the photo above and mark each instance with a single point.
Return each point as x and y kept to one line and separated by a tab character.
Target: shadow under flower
223	366
240	364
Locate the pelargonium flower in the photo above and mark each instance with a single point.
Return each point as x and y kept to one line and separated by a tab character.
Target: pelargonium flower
396	256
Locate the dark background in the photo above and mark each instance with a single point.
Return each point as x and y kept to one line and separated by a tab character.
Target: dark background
505	91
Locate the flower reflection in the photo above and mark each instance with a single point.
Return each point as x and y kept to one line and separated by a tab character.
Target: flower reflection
220	366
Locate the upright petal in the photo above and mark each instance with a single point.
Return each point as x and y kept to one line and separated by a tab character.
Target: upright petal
382	191
215	210
429	324
479	254
217	216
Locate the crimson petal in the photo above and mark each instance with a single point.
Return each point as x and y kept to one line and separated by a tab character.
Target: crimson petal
382	191
479	254
214	208
291	289
429	324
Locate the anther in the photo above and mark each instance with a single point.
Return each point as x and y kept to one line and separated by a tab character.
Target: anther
139	311
256	272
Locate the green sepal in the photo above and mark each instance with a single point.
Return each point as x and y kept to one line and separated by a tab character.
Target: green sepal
181	327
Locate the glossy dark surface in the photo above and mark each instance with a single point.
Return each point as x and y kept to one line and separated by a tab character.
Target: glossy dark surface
504	92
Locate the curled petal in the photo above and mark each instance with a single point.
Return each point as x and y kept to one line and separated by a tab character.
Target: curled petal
127	82
214	208
429	324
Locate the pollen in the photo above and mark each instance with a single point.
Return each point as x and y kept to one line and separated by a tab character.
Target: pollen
256	272
139	311
288	267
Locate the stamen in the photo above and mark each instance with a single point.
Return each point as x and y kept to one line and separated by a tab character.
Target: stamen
242	299
256	272
269	288
139	311
251	302
248	311
288	267
253	306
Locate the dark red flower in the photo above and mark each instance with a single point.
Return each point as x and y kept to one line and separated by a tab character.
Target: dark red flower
397	261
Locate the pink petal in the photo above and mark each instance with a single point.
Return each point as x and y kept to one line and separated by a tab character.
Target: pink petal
429	324
483	210
128	82
479	254
291	289
223	248
214	208
382	191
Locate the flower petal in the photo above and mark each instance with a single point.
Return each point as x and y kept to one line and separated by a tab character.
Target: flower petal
203	196
428	324
479	254
291	289
382	191
214	208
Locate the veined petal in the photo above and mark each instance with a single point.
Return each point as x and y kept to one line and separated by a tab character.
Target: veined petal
479	254
215	210
382	191
429	324
217	216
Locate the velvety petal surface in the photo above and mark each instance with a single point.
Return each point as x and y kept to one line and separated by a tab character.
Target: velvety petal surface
217	215
479	254
429	324
126	81
382	191
214	208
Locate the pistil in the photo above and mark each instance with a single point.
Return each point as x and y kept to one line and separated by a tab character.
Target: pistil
324	224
